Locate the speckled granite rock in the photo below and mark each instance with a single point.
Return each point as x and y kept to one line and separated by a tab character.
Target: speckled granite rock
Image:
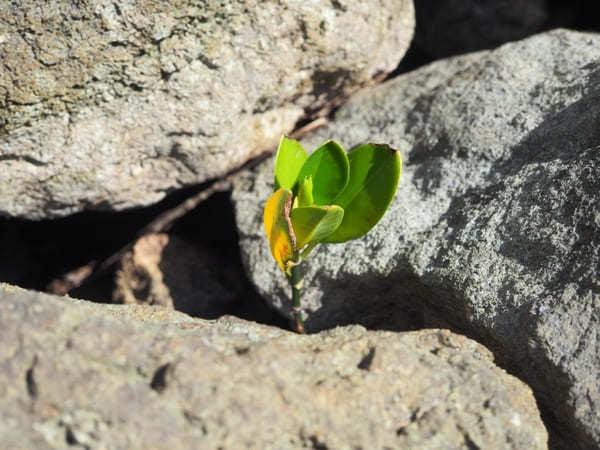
495	230
133	377
112	105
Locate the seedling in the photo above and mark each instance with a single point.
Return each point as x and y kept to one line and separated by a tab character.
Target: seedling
327	197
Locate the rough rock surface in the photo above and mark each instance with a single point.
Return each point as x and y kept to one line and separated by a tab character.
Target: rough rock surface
495	230
106	105
106	376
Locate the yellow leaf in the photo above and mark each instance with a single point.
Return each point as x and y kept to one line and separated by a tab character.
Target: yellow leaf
278	227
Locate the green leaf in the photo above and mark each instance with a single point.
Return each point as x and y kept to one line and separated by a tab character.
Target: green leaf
305	190
277	227
290	158
314	223
374	174
329	169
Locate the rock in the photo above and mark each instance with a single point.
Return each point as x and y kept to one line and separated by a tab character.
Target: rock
495	230
169	271
109	106
109	376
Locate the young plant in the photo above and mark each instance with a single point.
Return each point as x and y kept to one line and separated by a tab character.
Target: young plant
327	197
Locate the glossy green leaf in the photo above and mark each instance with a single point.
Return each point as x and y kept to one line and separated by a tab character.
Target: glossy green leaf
290	158
374	174
277	227
305	190
314	223
328	167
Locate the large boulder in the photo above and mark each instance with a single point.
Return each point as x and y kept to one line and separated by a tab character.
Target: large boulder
112	105
133	377
495	229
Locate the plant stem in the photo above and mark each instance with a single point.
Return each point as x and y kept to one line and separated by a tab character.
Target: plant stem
296	283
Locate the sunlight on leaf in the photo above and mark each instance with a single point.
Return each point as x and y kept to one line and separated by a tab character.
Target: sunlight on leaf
288	162
314	223
277	226
328	167
374	174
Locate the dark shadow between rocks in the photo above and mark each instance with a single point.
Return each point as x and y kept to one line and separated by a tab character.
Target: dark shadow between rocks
35	253
489	24
219	280
372	301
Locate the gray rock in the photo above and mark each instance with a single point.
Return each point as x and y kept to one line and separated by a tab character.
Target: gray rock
109	106
495	230
107	376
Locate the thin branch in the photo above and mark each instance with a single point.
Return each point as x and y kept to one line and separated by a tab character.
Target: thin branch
303	131
76	277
